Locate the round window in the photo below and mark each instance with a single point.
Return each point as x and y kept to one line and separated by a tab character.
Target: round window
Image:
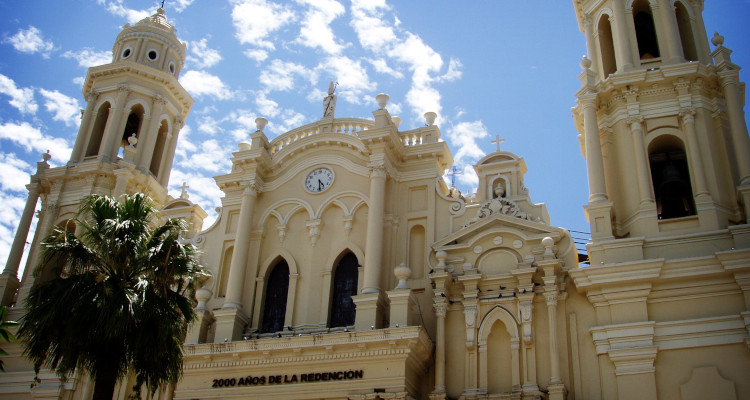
171	67
126	53
152	55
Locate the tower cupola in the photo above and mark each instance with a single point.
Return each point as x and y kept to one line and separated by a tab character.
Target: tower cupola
152	42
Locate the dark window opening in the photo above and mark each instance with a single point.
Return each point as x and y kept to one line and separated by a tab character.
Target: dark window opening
686	32
345	278
132	126
274	307
97	132
607	47
671	179
645	32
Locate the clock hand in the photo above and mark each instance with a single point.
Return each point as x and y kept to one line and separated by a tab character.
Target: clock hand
320	185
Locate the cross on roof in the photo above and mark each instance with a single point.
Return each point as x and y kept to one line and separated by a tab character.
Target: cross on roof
498	141
183	189
452	173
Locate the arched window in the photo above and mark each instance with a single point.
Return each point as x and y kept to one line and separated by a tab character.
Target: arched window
159	147
645	32
274	306
671	179
344	287
686	32
607	47
224	275
133	125
97	131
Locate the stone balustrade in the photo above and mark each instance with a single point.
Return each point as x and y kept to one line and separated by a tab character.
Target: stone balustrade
345	126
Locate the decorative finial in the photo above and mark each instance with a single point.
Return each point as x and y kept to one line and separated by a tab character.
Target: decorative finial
717	40
260	123
402	272
46	156
585	62
396	121
382	99
429	118
497	141
132	140
183	189
329	102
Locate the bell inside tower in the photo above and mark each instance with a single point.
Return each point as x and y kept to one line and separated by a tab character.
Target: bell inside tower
132	126
671	180
645	31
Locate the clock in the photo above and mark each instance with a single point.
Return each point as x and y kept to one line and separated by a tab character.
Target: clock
319	180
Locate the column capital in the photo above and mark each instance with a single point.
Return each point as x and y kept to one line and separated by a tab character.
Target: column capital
377	171
551	297
160	100
440	309
687	115
251	187
92	95
635	121
588	99
123	89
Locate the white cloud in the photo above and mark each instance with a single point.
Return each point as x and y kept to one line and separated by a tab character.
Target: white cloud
64	108
463	136
117	8
367	21
14	173
201	83
315	30
180	5
280	75
212	157
381	66
255	20
10	215
208	125
288	120
79	81
351	76
454	71
256	54
32	138
30	41
266	107
22	99
88	57
202	55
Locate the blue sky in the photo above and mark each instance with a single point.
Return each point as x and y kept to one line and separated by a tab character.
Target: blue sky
502	67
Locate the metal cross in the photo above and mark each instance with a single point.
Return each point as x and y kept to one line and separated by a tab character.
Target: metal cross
498	141
452	173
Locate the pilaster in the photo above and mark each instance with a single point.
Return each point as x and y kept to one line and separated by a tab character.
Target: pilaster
372	310
230	322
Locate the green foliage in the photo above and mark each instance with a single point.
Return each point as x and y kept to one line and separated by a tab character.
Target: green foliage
5	334
119	299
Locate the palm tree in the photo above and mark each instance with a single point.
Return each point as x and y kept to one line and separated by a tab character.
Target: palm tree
5	334
119	300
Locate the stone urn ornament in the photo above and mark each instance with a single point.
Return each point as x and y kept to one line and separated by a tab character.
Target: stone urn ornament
402	272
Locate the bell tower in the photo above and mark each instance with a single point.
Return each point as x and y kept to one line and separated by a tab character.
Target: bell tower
663	132
136	96
135	108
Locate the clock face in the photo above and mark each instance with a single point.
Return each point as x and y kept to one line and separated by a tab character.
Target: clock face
319	180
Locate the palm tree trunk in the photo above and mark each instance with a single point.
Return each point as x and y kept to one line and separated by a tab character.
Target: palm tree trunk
104	385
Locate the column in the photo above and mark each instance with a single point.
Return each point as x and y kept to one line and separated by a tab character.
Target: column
667	36
699	176
168	160
83	131
374	246
741	143
19	241
594	160
699	34
588	28
147	151
440	311
241	246
622	50
113	123
641	162
554	357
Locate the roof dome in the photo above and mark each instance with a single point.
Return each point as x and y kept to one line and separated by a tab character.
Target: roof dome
153	42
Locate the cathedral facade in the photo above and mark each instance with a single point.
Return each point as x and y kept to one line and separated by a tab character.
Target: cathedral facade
343	267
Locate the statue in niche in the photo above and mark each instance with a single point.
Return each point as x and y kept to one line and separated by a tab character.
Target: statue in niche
329	102
499	190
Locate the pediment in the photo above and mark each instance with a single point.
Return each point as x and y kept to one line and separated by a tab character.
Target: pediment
492	226
496	157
